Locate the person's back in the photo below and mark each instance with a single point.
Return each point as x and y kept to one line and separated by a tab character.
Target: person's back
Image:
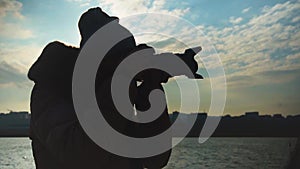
50	75
58	140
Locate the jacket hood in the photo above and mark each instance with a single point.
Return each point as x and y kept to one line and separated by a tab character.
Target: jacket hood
55	65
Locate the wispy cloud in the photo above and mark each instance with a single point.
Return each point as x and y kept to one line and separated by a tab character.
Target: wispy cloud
11	76
12	28
124	8
15	61
82	3
20	56
234	20
246	10
266	42
14	31
11	7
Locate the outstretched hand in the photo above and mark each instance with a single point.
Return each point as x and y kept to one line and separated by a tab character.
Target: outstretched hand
159	76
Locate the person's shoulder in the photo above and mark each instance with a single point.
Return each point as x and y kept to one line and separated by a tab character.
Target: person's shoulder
56	45
55	50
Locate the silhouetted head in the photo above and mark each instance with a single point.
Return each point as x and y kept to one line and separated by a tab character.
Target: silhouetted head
91	21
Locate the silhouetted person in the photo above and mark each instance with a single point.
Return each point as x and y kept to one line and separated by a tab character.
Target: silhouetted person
58	141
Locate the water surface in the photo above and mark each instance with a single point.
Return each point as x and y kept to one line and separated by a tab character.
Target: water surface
216	153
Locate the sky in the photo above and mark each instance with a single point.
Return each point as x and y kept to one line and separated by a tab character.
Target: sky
257	42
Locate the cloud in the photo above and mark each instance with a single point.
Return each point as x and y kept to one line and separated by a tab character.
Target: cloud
11	76
246	10
263	78
14	31
11	21
11	7
125	8
15	61
21	56
82	3
261	44
293	57
234	20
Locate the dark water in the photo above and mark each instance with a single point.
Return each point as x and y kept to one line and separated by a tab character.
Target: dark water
216	153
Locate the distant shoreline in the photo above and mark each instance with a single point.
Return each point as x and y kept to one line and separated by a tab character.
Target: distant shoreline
16	124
